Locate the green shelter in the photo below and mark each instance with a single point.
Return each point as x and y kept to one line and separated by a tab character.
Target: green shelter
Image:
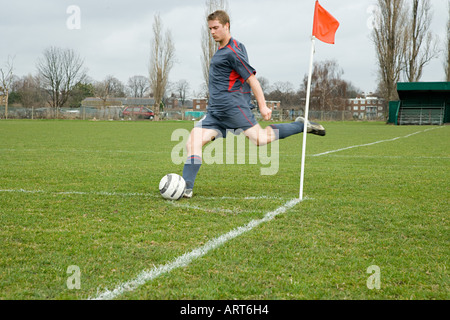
421	103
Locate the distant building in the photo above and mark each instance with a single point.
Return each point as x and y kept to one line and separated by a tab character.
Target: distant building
171	103
367	107
275	105
196	104
137	102
99	103
199	104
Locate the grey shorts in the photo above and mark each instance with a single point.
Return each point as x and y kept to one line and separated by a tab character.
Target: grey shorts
233	120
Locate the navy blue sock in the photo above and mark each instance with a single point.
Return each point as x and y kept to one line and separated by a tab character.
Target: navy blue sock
191	168
285	130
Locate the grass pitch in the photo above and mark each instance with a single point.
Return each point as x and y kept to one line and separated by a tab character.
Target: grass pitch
85	194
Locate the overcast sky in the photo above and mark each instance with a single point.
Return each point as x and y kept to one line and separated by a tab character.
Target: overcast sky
114	36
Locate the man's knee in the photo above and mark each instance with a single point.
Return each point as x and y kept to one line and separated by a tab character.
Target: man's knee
199	137
260	137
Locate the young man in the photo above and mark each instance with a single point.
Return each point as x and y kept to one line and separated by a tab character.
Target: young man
231	80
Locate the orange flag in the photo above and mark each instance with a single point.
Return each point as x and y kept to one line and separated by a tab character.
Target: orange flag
325	25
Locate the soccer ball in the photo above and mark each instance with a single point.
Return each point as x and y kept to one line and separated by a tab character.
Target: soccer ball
172	186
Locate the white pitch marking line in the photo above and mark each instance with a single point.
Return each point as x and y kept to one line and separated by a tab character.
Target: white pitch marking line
133	194
184	260
173	203
372	143
82	151
191	207
389	157
21	191
79	193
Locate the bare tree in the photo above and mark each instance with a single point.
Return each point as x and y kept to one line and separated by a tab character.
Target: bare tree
138	86
29	91
182	87
328	90
209	46
109	88
60	70
353	91
447	60
388	38
284	92
265	84
6	79
161	62
420	46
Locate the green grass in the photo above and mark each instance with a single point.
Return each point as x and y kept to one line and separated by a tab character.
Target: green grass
86	194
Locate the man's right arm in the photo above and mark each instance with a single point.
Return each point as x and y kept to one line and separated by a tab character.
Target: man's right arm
259	95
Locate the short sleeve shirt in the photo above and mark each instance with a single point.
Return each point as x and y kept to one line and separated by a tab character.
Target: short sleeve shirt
228	72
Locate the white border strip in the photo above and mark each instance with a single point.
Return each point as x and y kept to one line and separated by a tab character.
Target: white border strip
184	260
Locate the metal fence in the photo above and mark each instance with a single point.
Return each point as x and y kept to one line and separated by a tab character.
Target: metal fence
115	113
83	113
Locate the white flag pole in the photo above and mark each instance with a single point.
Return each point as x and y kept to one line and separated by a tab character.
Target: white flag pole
305	130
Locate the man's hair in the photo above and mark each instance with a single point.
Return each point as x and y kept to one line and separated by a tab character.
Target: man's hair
221	16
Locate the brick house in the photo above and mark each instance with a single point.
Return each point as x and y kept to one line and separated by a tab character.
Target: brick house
368	107
199	104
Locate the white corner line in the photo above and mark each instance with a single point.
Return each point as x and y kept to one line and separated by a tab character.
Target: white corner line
372	143
184	260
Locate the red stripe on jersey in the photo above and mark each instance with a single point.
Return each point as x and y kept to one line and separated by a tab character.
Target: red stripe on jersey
240	60
234	76
235	43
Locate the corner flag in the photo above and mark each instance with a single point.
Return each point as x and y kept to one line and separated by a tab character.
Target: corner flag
324	29
325	25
